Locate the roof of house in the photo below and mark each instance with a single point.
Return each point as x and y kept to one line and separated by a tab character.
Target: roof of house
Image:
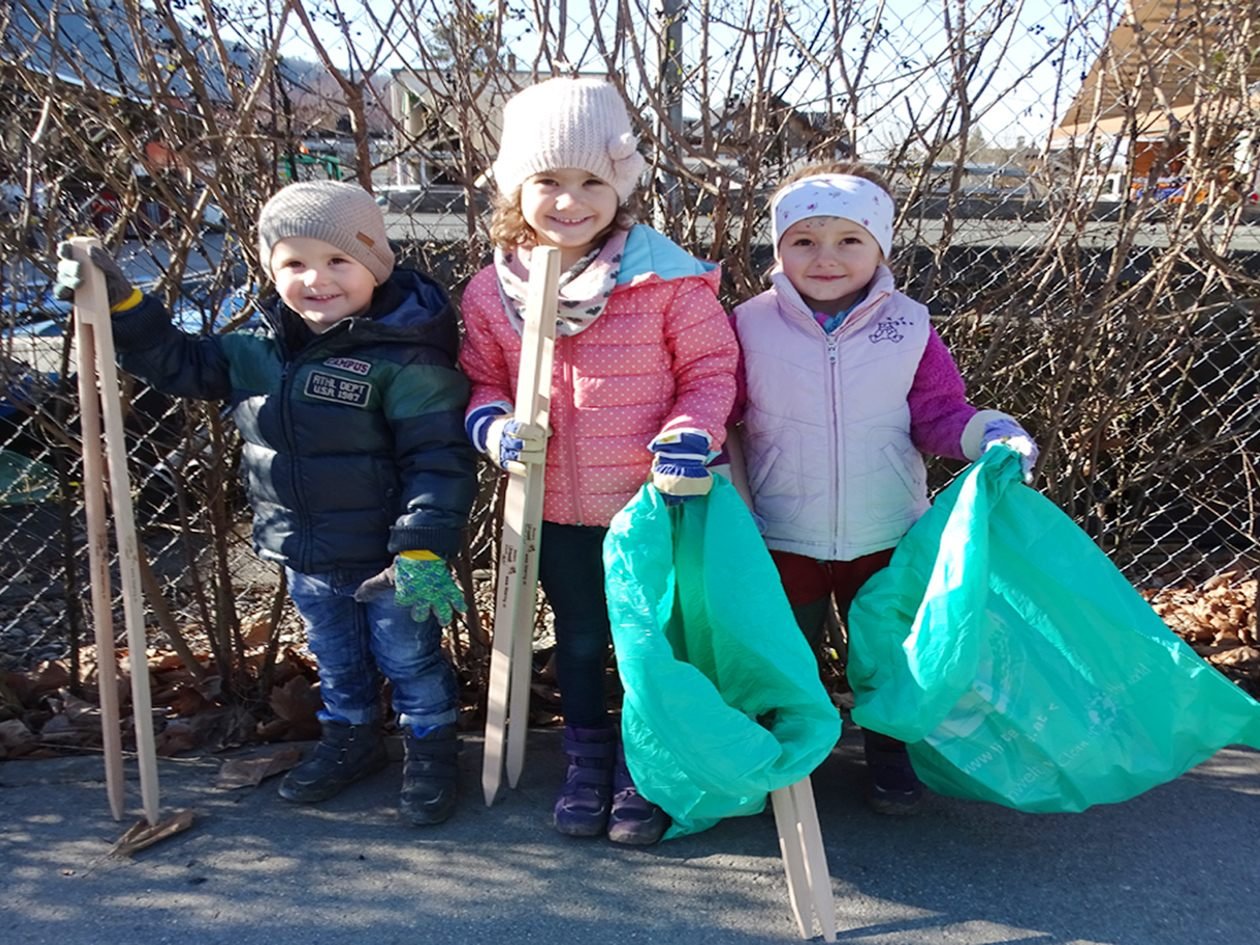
1164	61
91	45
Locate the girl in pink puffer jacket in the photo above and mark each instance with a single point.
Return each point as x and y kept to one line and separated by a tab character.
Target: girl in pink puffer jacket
643	382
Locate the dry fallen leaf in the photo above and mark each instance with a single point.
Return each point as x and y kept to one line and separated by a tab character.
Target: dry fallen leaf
295	701
256	629
141	834
182	701
175	737
250	772
15	737
1237	656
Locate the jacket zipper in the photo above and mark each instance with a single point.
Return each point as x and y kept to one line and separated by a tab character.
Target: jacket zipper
834	437
838	492
569	458
286	406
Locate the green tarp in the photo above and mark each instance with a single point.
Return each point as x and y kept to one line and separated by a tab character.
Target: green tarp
723	703
1021	666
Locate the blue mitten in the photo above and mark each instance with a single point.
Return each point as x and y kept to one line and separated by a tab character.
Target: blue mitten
679	469
504	439
1012	435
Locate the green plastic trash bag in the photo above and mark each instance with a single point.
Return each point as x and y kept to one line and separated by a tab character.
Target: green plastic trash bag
25	481
723	703
1019	663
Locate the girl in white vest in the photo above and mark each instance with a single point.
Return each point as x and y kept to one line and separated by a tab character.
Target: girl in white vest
845	385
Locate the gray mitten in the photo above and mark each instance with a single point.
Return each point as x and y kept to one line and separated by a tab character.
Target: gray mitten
70	275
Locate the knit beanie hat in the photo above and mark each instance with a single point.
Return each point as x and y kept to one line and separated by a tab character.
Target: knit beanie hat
344	215
563	122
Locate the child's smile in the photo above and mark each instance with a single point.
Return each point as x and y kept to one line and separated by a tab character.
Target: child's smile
829	260
570	209
320	282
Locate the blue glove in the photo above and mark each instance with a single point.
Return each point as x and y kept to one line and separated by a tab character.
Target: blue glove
679	470
118	288
1010	434
504	439
419	580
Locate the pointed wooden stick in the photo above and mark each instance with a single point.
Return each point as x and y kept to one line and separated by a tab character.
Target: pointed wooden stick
804	860
92	318
802	793
91	294
507	705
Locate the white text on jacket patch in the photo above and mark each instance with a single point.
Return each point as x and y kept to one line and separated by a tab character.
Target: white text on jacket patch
338	390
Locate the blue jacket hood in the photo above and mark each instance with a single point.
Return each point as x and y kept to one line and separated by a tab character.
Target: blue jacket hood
648	251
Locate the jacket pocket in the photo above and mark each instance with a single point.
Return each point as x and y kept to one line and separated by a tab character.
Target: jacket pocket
775	486
911	478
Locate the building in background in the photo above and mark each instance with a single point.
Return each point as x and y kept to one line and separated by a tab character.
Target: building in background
1171	105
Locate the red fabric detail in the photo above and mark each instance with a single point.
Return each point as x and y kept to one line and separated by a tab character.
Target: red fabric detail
806	580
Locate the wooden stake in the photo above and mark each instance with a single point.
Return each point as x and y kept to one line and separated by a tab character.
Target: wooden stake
507	707
87	296
99	376
804	860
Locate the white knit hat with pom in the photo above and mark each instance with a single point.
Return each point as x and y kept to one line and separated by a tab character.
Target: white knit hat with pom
580	123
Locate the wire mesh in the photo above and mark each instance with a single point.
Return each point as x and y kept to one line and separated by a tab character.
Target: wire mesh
1076	206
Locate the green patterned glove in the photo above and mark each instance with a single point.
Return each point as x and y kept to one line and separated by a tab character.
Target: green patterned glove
423	582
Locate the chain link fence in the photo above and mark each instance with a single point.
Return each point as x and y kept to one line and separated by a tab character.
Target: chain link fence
1076	205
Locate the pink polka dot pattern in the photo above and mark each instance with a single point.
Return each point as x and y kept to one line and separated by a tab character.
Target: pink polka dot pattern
662	356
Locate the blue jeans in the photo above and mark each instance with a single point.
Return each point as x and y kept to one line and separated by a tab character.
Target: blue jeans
354	644
571	571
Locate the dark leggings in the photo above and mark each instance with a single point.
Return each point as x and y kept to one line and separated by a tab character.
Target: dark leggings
571	571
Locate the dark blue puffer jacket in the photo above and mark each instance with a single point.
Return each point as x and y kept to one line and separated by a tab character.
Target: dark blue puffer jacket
354	446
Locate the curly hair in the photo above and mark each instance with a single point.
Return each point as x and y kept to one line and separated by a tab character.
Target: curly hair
509	229
851	168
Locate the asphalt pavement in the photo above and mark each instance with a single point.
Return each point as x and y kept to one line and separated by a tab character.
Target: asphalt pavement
1176	866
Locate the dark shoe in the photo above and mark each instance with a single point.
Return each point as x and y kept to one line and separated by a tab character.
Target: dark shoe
893	788
582	808
634	819
430	775
345	754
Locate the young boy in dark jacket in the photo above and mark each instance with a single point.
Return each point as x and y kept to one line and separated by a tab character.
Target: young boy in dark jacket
361	478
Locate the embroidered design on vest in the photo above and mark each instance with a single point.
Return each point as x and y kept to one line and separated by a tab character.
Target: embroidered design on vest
889	328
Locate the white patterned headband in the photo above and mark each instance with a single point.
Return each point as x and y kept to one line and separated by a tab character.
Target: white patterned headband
835	195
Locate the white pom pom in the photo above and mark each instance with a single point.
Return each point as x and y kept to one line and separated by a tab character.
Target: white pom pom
622	146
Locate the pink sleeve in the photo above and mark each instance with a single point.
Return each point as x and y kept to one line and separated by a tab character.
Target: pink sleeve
481	356
939	409
704	350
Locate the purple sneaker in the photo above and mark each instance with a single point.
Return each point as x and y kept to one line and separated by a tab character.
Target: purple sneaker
582	808
634	819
